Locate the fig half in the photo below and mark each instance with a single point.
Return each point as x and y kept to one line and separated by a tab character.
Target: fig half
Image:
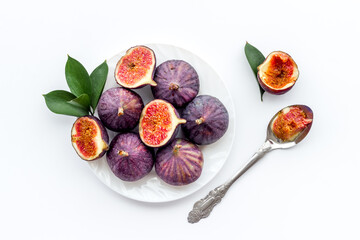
89	138
278	73
177	82
136	68
159	122
179	163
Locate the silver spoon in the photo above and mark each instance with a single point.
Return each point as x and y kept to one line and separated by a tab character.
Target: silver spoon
203	207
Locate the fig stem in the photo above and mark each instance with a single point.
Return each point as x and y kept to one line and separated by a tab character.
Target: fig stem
173	86
106	146
200	121
181	121
152	83
120	111
123	153
176	148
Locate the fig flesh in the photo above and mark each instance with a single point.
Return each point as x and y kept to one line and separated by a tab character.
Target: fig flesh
89	138
179	163
177	82
136	68
119	109
206	120
159	122
128	158
290	122
278	73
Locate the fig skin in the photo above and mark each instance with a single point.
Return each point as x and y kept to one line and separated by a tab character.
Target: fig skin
102	142
119	109
146	80
291	79
177	82
128	158
179	163
163	121
206	120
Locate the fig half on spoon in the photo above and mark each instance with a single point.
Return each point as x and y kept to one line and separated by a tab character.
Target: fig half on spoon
287	128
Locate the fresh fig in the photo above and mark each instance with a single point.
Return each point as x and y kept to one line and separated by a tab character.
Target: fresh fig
136	68
179	163
290	122
206	120
177	82
89	138
159	122
119	109
128	158
278	73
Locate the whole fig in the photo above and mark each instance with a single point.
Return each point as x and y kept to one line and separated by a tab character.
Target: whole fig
177	82
206	120
119	109
128	158
179	163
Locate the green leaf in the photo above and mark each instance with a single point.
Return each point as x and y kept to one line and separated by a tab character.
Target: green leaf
82	101
255	58
98	80
77	77
58	101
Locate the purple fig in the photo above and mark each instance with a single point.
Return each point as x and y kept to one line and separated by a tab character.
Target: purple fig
128	158
119	109
206	120
177	82
179	163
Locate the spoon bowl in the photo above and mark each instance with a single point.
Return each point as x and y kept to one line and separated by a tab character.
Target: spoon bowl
276	142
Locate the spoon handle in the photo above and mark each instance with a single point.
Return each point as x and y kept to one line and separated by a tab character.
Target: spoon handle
204	206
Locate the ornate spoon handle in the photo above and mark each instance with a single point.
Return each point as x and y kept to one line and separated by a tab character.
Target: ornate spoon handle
204	206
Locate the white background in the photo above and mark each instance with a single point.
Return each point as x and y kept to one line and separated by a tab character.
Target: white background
307	192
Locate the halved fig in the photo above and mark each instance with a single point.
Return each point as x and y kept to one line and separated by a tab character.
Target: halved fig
278	73
159	122
120	108
128	158
89	138
291	121
136	68
179	163
206	120
177	82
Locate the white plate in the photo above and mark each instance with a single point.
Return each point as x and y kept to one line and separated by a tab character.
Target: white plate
151	188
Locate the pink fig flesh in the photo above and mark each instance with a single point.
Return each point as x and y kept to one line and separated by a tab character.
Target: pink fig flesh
89	138
278	73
